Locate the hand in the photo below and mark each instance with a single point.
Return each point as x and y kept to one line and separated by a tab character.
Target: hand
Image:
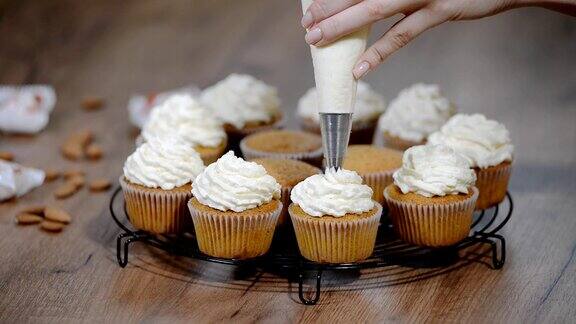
328	20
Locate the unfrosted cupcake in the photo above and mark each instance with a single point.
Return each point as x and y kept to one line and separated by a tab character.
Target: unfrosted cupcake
432	199
283	144
417	112
183	116
368	107
156	185
244	104
288	173
334	217
375	165
486	145
235	208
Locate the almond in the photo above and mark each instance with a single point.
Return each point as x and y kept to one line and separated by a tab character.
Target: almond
66	190
51	174
78	181
52	226
71	173
28	219
90	103
94	152
73	147
100	185
36	210
7	156
57	215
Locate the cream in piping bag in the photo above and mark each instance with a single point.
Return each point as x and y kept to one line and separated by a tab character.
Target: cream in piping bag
336	86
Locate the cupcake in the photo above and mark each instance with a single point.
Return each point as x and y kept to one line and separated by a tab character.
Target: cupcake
417	112
487	147
235	208
432	199
287	173
244	104
156	185
334	217
375	165
183	116
368	107
283	144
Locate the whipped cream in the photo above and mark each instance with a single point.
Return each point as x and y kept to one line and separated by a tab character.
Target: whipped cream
17	180
234	184
165	163
434	170
183	116
26	109
335	193
483	142
239	99
369	104
417	112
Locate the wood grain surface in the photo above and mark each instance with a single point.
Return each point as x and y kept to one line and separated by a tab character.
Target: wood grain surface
518	68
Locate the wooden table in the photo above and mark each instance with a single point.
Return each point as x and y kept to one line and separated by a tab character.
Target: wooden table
518	68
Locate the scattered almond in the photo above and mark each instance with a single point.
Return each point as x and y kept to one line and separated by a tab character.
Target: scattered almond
66	190
50	226
94	152
78	181
100	185
91	103
73	147
36	210
51	175
28	219
71	173
57	215
7	156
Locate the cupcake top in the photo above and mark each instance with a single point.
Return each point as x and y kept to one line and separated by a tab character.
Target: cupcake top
434	170
183	116
164	163
284	141
287	172
234	184
335	193
240	99
483	142
417	112
369	104
371	159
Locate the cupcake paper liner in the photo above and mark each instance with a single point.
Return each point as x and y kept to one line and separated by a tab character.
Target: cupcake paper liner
235	135
378	181
362	131
328	240
492	184
434	225
397	143
158	211
314	157
230	237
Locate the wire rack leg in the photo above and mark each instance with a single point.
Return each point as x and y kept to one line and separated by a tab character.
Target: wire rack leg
498	247
122	244
316	296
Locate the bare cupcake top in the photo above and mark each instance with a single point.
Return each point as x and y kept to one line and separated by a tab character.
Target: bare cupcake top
234	184
434	170
335	193
483	142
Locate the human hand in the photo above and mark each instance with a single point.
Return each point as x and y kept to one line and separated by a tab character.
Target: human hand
328	20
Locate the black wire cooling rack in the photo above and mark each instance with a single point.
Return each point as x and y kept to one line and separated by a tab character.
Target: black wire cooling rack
284	254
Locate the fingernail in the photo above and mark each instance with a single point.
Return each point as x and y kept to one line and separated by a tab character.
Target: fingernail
307	20
361	69
313	36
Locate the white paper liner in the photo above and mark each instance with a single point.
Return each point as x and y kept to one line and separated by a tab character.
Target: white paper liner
492	184
433	225
336	241
159	211
313	157
378	181
230	237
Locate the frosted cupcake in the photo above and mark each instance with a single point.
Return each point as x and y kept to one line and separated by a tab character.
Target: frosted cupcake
244	104
487	147
156	185
368	107
334	217
432	199
235	208
184	117
417	112
283	144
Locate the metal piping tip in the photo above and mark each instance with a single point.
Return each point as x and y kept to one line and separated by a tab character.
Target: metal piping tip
335	128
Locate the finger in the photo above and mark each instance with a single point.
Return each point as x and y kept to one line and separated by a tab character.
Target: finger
356	17
395	38
322	9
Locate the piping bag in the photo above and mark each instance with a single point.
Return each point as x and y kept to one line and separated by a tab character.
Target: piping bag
336	88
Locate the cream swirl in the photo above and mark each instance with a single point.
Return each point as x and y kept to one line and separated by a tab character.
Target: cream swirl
164	163
417	112
434	170
483	142
335	193
234	184
239	99
369	104
183	116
